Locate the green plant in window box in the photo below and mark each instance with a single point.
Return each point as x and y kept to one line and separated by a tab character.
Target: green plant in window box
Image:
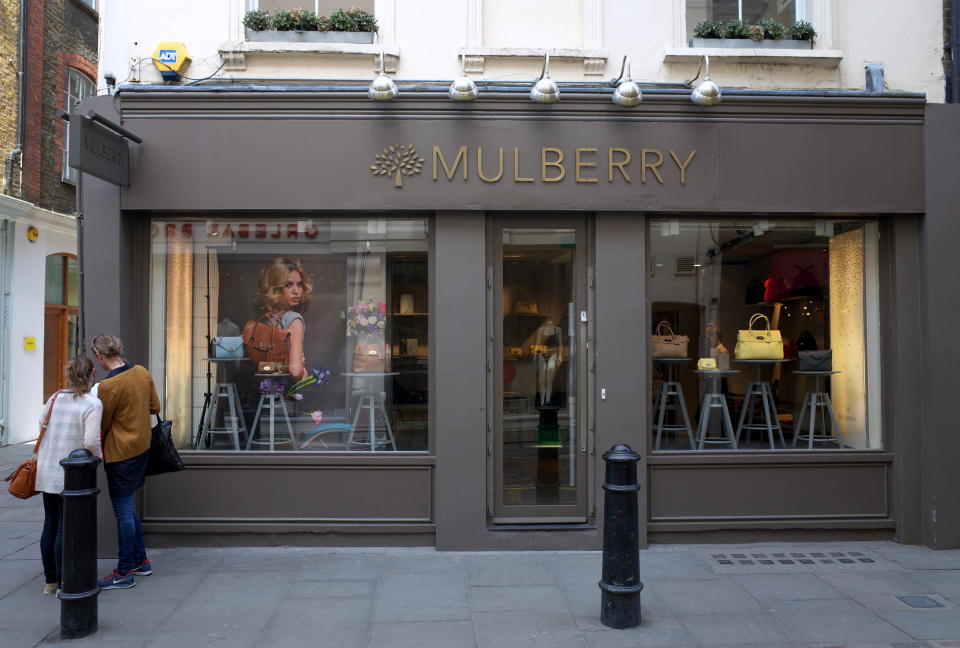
772	30
802	30
364	21
709	29
257	20
736	29
294	20
756	32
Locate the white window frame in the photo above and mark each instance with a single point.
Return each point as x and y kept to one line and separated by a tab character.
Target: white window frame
67	173
817	12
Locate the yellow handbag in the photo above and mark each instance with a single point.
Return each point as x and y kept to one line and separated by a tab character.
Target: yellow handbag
759	344
707	364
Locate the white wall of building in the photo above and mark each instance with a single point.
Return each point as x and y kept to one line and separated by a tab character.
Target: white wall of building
906	37
24	397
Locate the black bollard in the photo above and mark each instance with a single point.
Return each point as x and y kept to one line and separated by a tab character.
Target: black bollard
79	590
620	584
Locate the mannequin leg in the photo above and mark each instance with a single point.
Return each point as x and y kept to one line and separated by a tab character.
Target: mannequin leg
541	380
550	370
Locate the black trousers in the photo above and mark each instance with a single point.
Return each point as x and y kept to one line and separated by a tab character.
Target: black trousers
51	539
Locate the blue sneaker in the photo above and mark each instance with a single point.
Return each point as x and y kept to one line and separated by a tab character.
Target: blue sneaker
143	569
116	580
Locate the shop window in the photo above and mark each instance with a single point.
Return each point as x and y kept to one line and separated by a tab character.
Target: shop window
306	335
749	11
77	86
809	382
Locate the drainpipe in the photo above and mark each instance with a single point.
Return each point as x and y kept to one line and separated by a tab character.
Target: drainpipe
953	82
21	100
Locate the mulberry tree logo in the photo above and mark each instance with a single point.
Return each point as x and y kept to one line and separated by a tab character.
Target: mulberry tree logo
398	160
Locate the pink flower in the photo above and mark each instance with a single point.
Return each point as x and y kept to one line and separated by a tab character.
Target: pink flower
317	416
382	307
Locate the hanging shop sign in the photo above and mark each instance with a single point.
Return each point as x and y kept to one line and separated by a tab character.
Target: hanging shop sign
99	147
586	165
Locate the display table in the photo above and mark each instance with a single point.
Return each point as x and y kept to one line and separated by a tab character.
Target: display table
713	398
760	389
671	390
268	405
371	399
816	401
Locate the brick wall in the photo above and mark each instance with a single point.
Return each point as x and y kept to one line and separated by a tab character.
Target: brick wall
9	65
60	34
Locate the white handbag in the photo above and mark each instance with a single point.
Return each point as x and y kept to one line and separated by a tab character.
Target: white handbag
666	344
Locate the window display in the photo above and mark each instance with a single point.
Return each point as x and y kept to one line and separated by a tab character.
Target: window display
305	335
798	302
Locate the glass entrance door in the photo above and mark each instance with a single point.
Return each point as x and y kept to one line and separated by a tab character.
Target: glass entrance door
539	317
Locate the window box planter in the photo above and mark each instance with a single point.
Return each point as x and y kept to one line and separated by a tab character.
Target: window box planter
746	43
274	36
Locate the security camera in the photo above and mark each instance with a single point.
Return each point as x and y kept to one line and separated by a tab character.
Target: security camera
111	79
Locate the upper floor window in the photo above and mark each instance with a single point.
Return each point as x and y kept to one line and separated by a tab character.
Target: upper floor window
749	11
77	86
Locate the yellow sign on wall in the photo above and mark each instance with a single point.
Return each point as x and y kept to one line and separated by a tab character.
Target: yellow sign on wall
29	343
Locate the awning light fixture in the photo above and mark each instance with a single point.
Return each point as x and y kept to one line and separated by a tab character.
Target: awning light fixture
463	88
383	88
628	92
707	93
545	90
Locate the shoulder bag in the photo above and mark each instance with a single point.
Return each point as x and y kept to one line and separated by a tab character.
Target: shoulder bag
815	360
370	355
266	340
164	457
665	344
758	344
23	480
227	348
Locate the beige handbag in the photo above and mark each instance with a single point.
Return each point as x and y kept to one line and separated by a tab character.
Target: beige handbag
758	344
665	344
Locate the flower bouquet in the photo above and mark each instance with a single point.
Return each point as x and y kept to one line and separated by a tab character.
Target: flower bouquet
366	317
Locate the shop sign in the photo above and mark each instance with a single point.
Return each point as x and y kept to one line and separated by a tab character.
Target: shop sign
586	165
98	151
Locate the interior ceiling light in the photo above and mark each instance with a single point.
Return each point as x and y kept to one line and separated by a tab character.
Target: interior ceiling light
627	93
383	88
463	88
707	93
545	90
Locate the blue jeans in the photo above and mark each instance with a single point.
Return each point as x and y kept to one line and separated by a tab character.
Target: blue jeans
51	538
129	533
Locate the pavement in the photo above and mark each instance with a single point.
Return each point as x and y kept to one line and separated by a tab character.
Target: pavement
775	595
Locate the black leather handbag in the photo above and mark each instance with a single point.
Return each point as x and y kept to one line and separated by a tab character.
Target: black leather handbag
164	457
815	360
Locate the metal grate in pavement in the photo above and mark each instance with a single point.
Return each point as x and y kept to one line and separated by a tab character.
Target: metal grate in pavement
779	561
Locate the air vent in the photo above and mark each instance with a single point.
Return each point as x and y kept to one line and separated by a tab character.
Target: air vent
684	264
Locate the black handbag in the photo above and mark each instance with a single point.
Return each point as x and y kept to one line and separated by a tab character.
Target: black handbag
164	457
815	360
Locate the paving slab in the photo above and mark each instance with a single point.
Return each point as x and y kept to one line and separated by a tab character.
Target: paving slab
21	638
787	587
322	589
418	634
524	597
509	569
835	621
944	581
762	629
653	632
693	597
933	623
526	629
429	597
203	639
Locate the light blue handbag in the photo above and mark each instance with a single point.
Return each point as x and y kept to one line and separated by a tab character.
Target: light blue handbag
227	348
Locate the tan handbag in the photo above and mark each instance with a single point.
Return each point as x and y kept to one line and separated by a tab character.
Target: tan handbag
665	344
758	344
370	356
23	480
266	339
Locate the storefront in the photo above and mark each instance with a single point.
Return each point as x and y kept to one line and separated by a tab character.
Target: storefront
471	290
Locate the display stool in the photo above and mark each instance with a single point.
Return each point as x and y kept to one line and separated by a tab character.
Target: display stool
817	401
372	401
671	396
760	389
318	433
228	392
268	405
713	398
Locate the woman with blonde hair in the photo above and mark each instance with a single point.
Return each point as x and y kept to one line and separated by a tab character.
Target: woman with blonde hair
74	423
283	293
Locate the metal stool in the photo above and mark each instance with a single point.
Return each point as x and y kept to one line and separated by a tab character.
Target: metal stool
270	403
226	391
760	389
817	400
671	390
373	403
713	398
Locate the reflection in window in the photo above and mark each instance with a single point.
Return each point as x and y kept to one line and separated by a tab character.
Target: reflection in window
749	11
292	335
805	375
322	7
